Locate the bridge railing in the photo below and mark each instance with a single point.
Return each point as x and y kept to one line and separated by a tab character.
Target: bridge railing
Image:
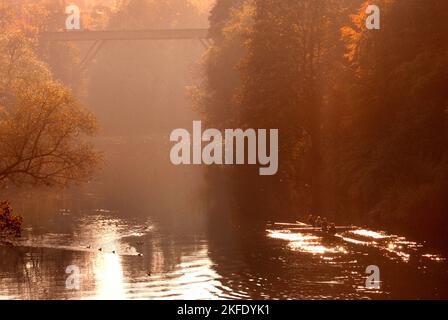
162	34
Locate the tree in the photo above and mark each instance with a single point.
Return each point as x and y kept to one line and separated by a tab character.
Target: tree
42	127
10	224
267	69
394	152
216	99
283	87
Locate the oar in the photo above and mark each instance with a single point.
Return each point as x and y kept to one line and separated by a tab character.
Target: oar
289	224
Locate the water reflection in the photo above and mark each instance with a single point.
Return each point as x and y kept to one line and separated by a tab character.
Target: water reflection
404	263
117	259
391	246
142	259
109	277
305	243
156	243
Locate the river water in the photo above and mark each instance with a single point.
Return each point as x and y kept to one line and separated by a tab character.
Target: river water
141	259
136	234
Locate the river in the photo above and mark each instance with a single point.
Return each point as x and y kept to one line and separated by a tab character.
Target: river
136	234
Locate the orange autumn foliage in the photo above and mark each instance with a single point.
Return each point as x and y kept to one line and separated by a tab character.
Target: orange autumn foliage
10	224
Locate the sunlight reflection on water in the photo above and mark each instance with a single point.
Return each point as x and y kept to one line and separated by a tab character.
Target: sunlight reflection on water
109	277
117	261
304	243
140	260
393	246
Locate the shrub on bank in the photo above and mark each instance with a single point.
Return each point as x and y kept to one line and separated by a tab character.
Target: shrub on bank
10	224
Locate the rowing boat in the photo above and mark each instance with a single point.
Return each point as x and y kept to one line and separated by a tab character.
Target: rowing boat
304	227
315	229
307	227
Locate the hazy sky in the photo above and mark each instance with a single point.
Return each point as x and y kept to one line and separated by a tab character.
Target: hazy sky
203	4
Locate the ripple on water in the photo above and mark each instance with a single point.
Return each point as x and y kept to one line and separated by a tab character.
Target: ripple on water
285	265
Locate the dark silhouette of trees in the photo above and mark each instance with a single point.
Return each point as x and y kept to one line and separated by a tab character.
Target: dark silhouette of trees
362	114
394	154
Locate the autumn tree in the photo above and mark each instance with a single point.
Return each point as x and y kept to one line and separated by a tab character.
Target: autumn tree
216	98
395	145
42	127
362	113
10	224
283	87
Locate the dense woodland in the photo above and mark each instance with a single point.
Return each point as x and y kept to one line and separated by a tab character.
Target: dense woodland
362	114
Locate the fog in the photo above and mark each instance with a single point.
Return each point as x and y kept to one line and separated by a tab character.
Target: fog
138	91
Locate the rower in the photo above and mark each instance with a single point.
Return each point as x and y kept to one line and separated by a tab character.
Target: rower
310	220
324	225
332	228
317	222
